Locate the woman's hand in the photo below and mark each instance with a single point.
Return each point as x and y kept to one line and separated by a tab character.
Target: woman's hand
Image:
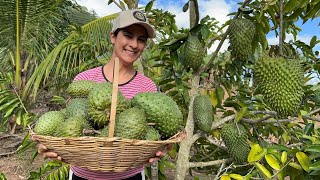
44	152
161	154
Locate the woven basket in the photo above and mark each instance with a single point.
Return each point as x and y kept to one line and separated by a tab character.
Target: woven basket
103	153
109	154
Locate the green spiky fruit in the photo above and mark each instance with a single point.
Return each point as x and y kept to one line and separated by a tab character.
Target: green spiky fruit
48	122
71	127
76	107
236	141
80	88
281	83
152	134
161	110
131	124
202	112
193	52
99	100
241	35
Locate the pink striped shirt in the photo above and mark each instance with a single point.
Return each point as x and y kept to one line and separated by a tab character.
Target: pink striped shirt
138	83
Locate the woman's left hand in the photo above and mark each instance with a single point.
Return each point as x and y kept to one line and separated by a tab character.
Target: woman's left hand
161	154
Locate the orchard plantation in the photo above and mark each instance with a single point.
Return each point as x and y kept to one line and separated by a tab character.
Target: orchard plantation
249	112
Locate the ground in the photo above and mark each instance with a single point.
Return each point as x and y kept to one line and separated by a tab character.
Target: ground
16	166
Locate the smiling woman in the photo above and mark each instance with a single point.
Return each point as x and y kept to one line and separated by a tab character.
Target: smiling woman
129	35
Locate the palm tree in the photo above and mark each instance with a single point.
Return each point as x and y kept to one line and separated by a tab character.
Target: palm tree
29	30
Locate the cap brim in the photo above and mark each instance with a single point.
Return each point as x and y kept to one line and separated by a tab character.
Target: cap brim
150	30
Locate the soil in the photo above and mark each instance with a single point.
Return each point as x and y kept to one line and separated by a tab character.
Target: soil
16	166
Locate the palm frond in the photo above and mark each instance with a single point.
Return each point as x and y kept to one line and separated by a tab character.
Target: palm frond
85	43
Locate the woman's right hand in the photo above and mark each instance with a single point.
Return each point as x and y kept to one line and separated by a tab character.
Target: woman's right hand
46	153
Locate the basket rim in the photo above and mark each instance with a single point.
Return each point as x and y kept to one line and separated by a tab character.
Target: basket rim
174	139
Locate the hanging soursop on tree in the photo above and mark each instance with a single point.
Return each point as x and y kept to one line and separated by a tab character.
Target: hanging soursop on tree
241	35
202	112
161	110
281	83
193	52
235	138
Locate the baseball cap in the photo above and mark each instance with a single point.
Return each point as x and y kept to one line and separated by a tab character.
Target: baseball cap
130	17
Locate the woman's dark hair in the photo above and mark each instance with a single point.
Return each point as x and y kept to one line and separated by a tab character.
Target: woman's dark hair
116	32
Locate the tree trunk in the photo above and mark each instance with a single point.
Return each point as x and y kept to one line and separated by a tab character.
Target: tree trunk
185	145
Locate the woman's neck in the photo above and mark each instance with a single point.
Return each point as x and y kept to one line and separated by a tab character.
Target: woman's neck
126	72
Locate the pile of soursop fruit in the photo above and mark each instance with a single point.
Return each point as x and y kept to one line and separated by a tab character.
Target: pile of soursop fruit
148	116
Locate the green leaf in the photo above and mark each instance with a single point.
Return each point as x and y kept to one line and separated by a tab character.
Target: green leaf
308	128
294	16
185	7
149	6
315	166
110	1
263	170
10	109
313	41
313	148
169	164
205	32
304	161
289	6
243	111
272	161
220	94
58	100
6	105
255	153
2	176
312	12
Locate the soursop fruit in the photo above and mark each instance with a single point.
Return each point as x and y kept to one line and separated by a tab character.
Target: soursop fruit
76	107
202	112
241	35
131	124
80	88
152	134
99	100
72	127
48	122
280	81
193	53
236	141
161	110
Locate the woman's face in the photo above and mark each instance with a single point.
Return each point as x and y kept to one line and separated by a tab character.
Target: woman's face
129	43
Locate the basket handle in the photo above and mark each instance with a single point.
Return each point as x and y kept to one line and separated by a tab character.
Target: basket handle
114	97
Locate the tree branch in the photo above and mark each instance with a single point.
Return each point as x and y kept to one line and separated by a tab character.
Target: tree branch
254	121
313	111
216	124
281	28
195	137
114	1
310	118
216	143
209	163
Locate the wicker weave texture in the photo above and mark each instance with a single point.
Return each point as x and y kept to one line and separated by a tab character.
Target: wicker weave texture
104	154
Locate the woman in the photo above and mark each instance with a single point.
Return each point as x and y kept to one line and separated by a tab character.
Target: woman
129	36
